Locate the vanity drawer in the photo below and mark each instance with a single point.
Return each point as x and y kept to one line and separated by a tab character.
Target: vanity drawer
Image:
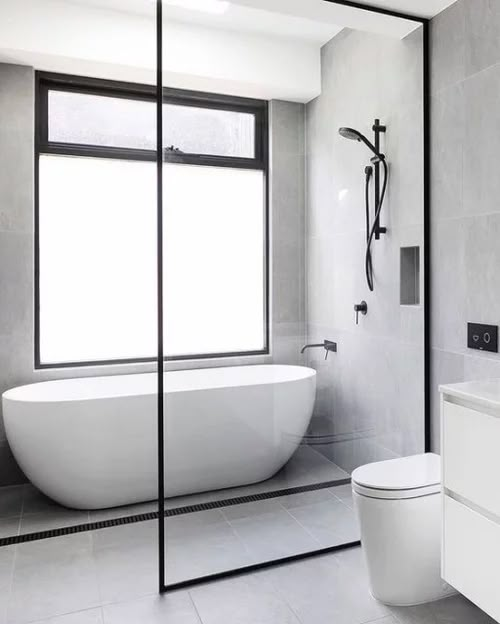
471	455
471	555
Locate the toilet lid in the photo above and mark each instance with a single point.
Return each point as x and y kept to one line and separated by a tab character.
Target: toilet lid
419	472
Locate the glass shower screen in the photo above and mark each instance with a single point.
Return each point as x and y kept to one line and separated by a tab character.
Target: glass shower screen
273	394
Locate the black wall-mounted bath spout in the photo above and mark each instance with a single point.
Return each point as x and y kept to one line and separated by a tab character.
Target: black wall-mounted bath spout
327	345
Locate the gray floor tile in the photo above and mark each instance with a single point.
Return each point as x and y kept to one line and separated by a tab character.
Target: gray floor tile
53	577
9	526
53	519
192	523
7	554
138	533
211	549
307	498
176	608
273	536
90	616
36	502
241	601
344	493
126	561
317	591
11	501
454	610
330	522
252	510
353	565
386	620
309	466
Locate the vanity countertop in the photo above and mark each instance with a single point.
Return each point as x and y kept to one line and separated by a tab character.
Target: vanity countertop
485	393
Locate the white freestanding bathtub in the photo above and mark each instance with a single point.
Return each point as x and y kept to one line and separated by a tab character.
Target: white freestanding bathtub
91	443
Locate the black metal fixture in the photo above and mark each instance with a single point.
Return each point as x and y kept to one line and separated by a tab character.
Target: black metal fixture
378	160
378	129
360	308
327	345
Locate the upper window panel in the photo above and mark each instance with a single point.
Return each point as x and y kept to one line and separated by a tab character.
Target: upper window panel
209	131
102	121
84	119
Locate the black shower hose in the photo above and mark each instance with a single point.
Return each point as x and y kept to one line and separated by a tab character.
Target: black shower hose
368	257
368	176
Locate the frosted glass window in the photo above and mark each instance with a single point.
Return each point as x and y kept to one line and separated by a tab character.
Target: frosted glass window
208	131
83	119
214	260
97	258
97	253
79	118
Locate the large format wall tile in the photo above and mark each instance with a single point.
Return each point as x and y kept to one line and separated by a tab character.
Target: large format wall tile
482	262
448	47
17	139
370	394
445	368
447	152
465	186
448	283
482	43
482	142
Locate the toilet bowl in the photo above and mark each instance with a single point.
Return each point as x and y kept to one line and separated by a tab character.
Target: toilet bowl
398	504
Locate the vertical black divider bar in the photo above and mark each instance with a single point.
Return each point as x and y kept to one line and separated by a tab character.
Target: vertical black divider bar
159	233
425	22
427	234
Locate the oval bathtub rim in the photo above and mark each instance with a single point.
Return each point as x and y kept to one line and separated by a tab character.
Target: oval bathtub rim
15	394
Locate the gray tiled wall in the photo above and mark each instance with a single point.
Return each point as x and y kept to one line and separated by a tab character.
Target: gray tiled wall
465	59
16	246
370	397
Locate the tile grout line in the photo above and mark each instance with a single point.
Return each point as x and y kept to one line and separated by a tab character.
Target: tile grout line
245	546
11	585
303	527
198	615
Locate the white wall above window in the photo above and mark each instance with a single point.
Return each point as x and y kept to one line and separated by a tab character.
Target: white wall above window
59	36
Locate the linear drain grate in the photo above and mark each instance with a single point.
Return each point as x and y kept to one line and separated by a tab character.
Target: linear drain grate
169	513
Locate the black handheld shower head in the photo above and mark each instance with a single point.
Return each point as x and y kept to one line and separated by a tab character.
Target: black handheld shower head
355	135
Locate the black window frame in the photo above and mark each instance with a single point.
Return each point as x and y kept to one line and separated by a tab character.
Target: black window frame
46	82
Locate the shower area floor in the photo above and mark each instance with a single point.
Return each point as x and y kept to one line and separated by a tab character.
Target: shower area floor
25	510
112	565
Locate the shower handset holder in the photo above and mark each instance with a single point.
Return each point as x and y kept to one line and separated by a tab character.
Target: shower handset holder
378	129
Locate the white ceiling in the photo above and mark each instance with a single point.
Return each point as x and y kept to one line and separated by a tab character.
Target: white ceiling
422	8
237	18
308	20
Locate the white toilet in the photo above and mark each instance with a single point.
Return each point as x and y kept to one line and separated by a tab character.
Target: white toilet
398	503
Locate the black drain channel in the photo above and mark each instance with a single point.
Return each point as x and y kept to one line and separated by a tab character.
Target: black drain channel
169	513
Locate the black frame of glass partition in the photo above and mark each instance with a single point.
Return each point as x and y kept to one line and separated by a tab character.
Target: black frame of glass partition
45	82
425	23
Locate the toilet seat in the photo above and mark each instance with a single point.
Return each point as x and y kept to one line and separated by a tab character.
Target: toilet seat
399	479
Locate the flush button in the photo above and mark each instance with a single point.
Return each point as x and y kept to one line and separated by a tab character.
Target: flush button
482	337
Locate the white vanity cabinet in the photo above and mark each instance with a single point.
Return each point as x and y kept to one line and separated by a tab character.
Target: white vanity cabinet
470	455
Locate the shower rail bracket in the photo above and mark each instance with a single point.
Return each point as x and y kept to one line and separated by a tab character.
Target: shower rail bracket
378	129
